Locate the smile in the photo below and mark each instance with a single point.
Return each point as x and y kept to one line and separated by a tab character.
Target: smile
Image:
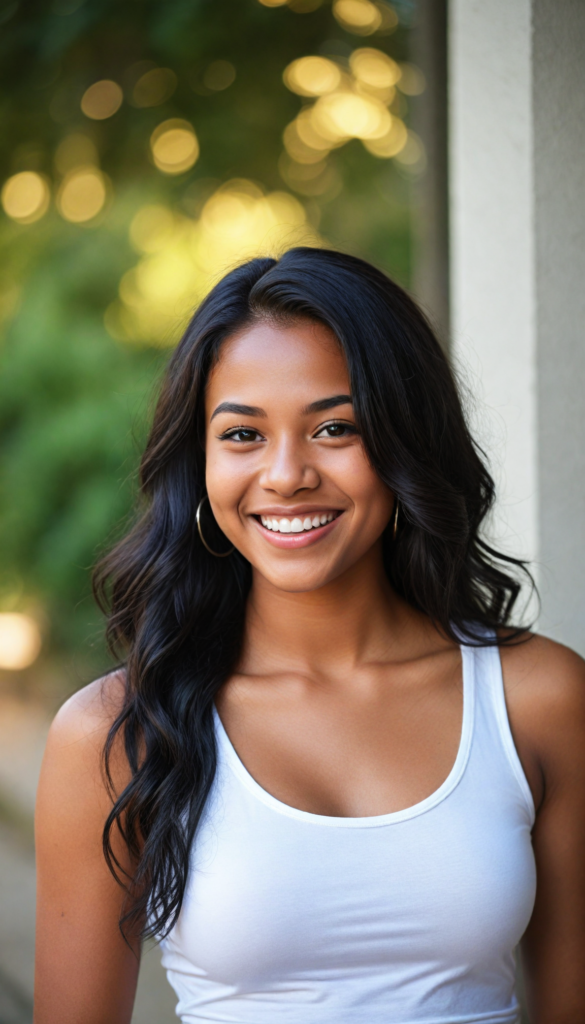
300	531
298	524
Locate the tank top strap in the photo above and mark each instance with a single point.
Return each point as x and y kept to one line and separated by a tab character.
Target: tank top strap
492	721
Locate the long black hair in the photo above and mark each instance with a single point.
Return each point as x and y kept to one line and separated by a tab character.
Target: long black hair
176	613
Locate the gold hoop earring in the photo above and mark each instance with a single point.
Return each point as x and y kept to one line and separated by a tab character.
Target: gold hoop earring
395	526
217	554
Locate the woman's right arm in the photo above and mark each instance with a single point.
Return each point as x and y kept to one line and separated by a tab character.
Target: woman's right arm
85	972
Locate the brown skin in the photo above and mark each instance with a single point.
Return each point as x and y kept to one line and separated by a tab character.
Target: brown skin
346	700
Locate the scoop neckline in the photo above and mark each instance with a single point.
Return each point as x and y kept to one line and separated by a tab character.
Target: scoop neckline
452	780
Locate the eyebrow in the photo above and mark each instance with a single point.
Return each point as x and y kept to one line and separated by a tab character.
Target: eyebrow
322	405
238	409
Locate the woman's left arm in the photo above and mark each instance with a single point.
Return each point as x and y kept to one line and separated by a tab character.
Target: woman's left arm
545	693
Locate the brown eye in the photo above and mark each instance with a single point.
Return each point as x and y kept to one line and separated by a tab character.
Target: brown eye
243	435
337	430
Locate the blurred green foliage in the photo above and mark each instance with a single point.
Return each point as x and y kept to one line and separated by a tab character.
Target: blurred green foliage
74	402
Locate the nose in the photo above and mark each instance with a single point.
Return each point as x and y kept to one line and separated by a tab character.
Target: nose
288	469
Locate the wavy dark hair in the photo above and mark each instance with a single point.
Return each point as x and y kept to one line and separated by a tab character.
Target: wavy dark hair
176	613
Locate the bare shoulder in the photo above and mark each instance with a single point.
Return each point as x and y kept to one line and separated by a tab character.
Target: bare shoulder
89	713
80	728
545	674
84	969
545	693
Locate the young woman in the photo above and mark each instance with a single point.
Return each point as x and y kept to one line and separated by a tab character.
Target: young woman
331	773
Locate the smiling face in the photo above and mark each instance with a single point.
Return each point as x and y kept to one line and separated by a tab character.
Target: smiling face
287	474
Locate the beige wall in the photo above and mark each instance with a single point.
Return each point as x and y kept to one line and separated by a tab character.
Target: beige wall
517	199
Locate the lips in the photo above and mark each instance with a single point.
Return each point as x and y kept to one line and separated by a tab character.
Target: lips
285	536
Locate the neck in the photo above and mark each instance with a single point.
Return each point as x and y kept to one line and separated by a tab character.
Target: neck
355	618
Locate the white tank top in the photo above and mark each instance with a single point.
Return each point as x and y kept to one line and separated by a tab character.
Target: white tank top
401	918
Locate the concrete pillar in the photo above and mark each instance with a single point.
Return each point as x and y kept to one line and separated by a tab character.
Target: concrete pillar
430	283
517	199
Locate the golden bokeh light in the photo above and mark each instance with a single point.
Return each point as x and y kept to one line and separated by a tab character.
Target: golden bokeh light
75	150
361	17
320	179
412	81
312	136
312	76
346	115
390	19
25	197
219	75
291	171
391	143
273	3
413	156
373	68
102	99
174	146
386	95
154	87
151	228
299	150
20	641
182	257
230	212
82	195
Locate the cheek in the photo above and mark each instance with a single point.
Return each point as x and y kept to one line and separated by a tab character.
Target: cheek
377	504
362	484
226	482
373	501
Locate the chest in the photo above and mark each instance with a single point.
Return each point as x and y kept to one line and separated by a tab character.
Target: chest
378	745
277	895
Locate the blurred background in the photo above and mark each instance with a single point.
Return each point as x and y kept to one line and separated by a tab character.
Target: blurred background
147	146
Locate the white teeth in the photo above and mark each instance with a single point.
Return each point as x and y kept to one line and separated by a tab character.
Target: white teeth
296	525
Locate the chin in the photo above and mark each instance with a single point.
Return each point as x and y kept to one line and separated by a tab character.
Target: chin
299	582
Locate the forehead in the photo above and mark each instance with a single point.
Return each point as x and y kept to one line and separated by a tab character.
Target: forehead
266	360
